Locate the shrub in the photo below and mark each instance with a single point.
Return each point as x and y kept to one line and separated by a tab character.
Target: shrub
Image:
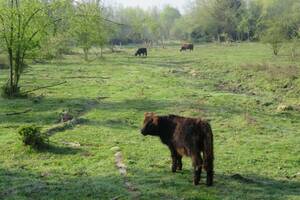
32	136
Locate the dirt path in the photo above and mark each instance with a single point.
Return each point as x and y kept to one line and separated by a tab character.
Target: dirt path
135	194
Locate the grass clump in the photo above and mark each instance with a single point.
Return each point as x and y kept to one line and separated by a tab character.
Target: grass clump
33	137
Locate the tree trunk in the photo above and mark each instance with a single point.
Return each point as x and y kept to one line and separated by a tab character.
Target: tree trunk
162	42
248	36
10	53
86	54
293	52
11	73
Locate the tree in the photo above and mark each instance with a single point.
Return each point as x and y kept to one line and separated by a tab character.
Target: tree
87	25
23	24
182	29
60	40
274	35
280	22
219	18
294	16
168	17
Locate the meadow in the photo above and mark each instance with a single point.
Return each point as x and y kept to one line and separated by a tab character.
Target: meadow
251	98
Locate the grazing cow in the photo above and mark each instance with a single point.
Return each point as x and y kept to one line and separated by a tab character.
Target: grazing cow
184	137
141	51
185	47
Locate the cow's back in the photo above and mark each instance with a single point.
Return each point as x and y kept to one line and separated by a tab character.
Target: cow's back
187	136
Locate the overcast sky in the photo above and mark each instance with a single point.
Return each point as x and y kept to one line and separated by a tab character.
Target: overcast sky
180	4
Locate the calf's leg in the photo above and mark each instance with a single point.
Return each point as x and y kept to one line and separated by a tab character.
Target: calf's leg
179	162
174	156
209	171
197	164
209	178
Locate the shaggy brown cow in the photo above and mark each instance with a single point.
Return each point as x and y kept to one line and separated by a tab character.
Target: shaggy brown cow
185	47
184	137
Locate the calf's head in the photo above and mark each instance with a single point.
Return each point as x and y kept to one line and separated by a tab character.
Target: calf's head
150	125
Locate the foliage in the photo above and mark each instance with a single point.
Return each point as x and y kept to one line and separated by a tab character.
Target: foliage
60	40
280	22
55	46
23	24
140	26
275	37
87	26
32	136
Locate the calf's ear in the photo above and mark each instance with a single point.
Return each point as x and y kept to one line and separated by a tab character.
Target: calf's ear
149	114
146	114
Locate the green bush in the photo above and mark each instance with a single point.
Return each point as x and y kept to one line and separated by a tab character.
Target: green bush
32	136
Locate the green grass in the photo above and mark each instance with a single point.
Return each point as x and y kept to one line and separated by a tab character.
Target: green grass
237	87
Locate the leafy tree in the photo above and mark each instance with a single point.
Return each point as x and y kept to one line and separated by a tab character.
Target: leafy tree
254	13
23	24
280	22
182	29
274	35
60	40
218	17
168	17
87	26
145	26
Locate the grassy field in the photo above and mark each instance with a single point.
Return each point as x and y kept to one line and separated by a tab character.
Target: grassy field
251	97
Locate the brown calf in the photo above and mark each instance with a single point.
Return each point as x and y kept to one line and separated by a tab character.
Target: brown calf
185	47
184	137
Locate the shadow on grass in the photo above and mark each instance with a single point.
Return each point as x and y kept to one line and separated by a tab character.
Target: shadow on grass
253	186
26	184
164	183
143	105
152	183
61	150
46	112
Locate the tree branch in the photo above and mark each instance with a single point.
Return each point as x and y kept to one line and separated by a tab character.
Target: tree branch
4	31
19	113
104	19
43	87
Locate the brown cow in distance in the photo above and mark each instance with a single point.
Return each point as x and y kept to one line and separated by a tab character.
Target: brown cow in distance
184	137
185	47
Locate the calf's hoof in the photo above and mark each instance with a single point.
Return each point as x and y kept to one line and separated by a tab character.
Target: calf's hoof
209	183
179	167
196	183
173	169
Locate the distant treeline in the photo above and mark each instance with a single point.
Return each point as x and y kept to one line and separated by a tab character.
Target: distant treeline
209	20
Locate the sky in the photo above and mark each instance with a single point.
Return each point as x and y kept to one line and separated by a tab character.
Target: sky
180	4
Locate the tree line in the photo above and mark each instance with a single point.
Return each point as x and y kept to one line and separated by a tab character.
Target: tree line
212	20
50	28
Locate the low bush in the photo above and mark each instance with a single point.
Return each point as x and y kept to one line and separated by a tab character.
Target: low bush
32	136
